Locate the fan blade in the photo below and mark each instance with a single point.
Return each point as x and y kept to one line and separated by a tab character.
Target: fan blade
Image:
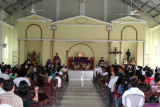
137	14
123	14
25	10
135	11
39	10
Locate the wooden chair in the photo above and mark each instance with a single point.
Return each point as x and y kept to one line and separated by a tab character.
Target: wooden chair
47	91
55	82
149	94
51	85
152	105
30	103
102	84
106	86
33	83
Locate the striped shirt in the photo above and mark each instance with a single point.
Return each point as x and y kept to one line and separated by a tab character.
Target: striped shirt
11	99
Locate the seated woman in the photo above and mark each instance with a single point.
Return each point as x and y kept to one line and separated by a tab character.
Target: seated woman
13	73
46	78
121	88
142	85
149	77
117	87
40	83
156	86
24	93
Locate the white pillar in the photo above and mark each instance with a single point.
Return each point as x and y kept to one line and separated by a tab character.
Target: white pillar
1	36
105	9
82	7
57	10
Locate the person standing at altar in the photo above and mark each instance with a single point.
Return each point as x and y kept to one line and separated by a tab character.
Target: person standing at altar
101	62
57	59
128	53
48	62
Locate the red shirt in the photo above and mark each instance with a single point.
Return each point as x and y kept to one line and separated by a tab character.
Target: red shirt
149	79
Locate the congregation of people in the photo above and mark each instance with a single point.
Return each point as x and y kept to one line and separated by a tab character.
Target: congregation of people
26	83
128	85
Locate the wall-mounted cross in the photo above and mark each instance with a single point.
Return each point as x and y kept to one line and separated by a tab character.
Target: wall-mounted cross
115	53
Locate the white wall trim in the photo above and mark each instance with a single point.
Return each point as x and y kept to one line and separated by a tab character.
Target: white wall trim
156	27
79	17
6	24
25	18
83	24
66	40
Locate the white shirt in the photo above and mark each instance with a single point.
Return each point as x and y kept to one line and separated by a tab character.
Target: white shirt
59	81
2	91
112	82
19	79
97	70
104	74
4	76
5	105
60	73
132	91
143	72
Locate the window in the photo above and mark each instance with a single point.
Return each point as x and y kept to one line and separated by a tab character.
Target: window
156	53
6	48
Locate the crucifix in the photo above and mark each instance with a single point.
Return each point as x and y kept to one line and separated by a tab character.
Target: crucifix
115	53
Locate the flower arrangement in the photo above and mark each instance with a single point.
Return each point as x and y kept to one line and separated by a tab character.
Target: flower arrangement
132	61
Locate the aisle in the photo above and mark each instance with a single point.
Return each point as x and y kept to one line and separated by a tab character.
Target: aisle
81	93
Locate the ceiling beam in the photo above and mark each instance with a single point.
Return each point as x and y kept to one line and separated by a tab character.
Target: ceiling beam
29	1
156	6
5	1
134	2
3	8
143	4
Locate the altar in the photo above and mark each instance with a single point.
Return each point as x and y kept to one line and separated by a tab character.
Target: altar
81	63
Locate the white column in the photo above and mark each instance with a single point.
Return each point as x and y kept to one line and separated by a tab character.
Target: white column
105	9
1	36
57	10
82	7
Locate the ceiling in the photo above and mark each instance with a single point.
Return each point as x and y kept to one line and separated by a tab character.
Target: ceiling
150	7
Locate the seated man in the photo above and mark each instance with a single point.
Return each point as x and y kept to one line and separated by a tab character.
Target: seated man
3	74
1	86
9	97
21	78
133	90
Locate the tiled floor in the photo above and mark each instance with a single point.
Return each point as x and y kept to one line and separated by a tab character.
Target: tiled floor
81	93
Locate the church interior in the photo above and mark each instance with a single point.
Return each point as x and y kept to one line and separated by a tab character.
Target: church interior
82	44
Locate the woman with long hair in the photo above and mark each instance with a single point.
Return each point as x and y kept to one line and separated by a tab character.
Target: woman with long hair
24	93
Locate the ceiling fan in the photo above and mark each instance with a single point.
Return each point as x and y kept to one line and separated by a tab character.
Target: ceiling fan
33	11
131	13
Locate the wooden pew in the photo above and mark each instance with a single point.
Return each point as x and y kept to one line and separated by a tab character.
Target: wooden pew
149	94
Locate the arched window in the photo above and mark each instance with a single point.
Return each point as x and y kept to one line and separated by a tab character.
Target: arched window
6	48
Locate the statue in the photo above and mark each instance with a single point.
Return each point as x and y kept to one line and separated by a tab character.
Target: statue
128	55
33	57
